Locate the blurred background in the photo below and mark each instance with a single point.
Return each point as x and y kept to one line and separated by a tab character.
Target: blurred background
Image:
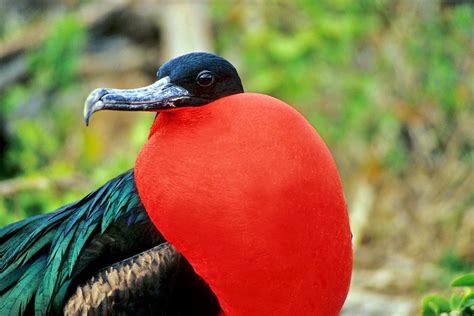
388	84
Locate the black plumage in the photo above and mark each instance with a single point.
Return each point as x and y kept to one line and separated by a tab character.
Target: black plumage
43	259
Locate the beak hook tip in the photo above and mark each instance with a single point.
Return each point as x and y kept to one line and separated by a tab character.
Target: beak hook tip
87	115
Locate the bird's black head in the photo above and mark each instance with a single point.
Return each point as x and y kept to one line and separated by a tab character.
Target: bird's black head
203	75
190	80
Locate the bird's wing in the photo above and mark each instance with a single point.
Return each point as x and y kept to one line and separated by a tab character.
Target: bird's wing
117	288
43	258
158	282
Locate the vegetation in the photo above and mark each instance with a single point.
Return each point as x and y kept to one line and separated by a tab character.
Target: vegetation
37	125
459	304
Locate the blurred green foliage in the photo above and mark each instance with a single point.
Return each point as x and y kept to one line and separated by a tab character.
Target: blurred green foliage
450	261
37	125
452	265
52	69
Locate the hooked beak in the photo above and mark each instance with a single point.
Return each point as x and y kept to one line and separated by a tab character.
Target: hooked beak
158	96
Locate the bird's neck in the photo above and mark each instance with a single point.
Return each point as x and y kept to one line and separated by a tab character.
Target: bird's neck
250	195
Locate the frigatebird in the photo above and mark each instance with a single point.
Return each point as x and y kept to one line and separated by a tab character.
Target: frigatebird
234	207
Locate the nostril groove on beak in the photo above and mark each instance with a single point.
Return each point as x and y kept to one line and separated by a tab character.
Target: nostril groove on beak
96	95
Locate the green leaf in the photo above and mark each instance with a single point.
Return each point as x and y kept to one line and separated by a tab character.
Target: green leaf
465	280
467	300
434	305
428	310
455	301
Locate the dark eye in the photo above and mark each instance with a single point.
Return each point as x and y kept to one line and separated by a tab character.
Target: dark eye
205	78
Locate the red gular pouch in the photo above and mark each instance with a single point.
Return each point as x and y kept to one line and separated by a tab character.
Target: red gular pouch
248	192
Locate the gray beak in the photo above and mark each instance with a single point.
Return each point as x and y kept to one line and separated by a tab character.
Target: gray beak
158	96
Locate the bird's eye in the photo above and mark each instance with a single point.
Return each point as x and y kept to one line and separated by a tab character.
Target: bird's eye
205	78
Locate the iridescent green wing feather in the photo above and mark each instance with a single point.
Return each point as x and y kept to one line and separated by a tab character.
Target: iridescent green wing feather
43	258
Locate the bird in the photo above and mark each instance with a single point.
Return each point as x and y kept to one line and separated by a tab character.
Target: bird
234	207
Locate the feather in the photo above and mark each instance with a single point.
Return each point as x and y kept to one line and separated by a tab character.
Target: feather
14	302
117	288
43	256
